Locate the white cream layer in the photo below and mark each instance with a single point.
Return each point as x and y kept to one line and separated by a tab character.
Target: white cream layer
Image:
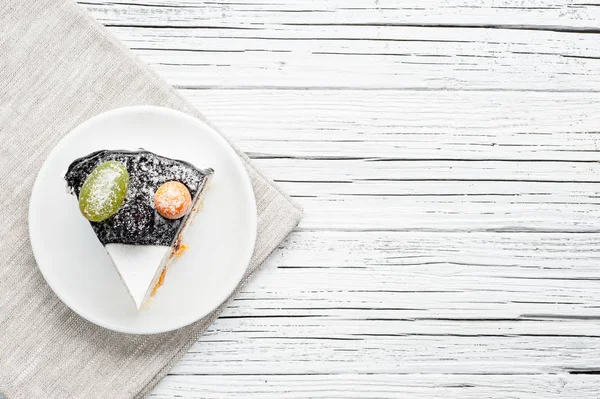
137	265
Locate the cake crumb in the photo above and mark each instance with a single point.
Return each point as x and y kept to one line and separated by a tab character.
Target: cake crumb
181	249
160	282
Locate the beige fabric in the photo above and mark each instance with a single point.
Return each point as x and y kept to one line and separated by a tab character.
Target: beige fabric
58	68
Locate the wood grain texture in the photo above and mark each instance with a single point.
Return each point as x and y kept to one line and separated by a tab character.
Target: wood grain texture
446	154
377	386
515	45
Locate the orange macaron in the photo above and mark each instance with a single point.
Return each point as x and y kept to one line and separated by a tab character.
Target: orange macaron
173	200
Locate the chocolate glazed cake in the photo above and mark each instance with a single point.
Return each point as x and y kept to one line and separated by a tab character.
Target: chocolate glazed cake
139	205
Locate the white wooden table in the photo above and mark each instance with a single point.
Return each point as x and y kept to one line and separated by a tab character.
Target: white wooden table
446	154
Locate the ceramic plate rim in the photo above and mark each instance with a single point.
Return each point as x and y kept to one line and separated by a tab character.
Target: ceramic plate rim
81	129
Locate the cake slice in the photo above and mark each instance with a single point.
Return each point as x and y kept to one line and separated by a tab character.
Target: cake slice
139	205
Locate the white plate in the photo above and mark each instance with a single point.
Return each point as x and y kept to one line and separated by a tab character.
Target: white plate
221	239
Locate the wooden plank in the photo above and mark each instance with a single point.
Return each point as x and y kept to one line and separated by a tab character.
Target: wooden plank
397	124
500	45
543	14
390	386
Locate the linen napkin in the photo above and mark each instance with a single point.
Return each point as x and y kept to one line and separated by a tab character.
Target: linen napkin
58	67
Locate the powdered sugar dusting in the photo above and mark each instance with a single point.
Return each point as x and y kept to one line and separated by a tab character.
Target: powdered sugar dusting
137	221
